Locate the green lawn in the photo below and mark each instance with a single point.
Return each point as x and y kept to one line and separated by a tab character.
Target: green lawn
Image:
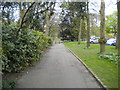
105	70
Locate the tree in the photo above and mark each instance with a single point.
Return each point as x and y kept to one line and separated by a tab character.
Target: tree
54	26
118	30
79	33
23	18
94	28
111	23
22	9
82	16
73	15
48	13
7	9
88	26
69	23
102	39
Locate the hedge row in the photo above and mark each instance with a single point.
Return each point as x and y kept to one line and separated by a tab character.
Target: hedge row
21	52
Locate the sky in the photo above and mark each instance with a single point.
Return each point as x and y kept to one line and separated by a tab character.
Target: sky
110	6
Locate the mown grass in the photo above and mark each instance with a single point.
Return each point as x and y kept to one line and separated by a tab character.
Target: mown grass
105	70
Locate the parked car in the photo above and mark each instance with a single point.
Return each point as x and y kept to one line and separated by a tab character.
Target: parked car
94	40
111	42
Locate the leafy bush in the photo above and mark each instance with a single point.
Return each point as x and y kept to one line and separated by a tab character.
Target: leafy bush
111	57
8	83
49	39
21	52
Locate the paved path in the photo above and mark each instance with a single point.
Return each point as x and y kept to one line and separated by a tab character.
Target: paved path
58	69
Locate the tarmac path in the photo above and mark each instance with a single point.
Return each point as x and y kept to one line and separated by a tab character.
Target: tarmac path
59	68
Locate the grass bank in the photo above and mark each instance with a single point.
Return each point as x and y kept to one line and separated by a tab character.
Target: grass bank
105	70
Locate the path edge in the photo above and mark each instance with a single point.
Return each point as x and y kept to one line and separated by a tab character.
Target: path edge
93	74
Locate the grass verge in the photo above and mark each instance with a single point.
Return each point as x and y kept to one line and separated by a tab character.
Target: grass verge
105	70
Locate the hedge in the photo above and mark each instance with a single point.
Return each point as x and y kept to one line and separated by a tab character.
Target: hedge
21	52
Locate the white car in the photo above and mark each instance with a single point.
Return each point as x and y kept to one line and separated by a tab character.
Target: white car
111	41
94	40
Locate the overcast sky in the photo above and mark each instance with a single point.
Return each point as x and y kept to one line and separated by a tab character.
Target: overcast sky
110	6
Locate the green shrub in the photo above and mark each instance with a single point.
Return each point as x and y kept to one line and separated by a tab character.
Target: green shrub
21	52
111	57
8	83
49	40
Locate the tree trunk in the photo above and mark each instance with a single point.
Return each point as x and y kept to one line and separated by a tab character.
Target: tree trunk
88	27
8	18
118	31
46	29
118	41
79	34
102	39
21	11
83	30
48	16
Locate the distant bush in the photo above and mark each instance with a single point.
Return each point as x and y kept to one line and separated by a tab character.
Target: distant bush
111	57
21	52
